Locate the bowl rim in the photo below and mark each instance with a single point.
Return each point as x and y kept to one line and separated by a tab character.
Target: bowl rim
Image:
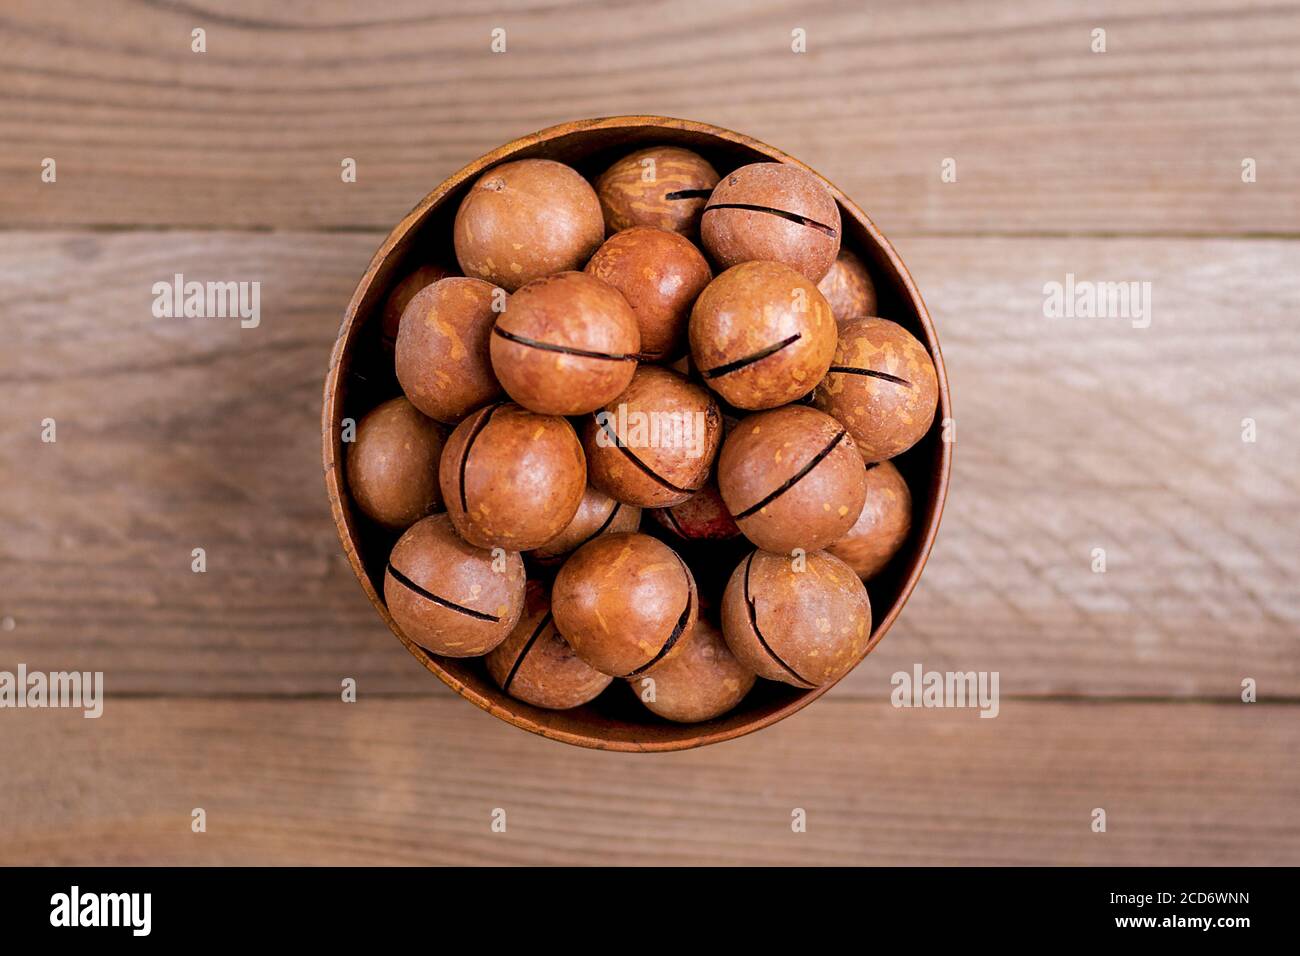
333	458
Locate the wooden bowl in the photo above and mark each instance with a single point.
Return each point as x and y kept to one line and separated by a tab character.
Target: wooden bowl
361	376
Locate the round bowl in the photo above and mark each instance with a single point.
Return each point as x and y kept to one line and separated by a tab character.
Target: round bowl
361	376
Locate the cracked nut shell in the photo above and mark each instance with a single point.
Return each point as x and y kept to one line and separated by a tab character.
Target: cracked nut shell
392	465
446	595
527	219
623	601
442	358
664	187
511	478
661	274
882	386
791	478
565	345
883	526
632	459
702	681
536	665
761	335
597	514
804	627
774	212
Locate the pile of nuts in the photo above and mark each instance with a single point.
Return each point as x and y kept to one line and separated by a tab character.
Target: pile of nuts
665	339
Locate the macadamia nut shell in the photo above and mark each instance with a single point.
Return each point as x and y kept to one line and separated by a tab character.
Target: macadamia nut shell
774	212
536	665
791	478
511	478
804	621
393	464
762	335
882	386
566	344
700	682
883	525
653	445
624	601
524	220
664	187
442	358
448	596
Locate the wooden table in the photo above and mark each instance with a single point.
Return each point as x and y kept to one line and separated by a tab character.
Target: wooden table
1120	690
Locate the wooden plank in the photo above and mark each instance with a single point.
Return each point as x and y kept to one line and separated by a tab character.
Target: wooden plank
1072	435
417	781
1049	137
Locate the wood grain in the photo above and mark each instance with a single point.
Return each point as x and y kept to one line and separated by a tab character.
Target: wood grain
1072	435
1048	136
404	782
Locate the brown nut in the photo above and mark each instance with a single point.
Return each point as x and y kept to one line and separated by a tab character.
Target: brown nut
511	478
536	665
661	274
761	335
655	443
848	289
805	621
527	219
881	386
701	517
597	514
393	464
791	478
664	187
565	345
390	317
448	596
623	601
773	212
883	526
702	681
442	356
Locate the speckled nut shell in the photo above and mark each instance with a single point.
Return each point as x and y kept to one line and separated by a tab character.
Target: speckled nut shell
664	187
849	289
701	517
791	478
566	344
623	602
882	386
883	526
761	335
597	514
802	622
536	665
702	681
442	356
775	212
511	478
448	596
661	274
393	464
655	443
391	314
527	219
